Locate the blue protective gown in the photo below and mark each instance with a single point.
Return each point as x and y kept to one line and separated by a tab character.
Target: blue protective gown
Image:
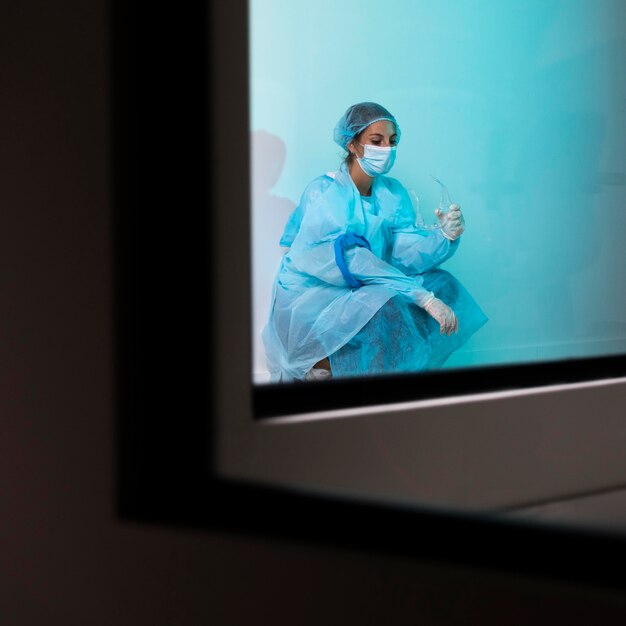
350	285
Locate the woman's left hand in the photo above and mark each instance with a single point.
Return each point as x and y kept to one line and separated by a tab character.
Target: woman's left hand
452	222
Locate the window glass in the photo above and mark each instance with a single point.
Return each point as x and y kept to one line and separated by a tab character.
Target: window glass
517	109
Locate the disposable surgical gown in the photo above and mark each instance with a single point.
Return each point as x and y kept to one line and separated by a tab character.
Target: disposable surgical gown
350	284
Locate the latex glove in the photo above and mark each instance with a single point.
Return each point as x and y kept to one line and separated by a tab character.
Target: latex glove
443	314
452	222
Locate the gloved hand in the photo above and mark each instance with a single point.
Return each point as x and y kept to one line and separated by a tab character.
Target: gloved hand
443	314
452	222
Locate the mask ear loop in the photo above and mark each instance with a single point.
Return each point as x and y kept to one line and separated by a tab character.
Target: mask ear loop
354	154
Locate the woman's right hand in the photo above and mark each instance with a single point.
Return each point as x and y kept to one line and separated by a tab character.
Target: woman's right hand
443	314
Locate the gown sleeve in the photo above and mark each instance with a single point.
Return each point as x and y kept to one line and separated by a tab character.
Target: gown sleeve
415	251
369	269
315	251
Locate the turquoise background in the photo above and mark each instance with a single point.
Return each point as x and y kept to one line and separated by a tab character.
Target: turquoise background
518	106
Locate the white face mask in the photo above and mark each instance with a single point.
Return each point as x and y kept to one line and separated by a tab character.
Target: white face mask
376	160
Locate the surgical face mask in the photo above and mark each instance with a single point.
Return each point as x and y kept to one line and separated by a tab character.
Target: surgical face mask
376	160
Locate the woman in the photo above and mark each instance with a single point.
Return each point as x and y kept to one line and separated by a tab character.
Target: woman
358	291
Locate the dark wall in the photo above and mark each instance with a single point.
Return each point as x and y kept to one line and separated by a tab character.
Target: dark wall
64	557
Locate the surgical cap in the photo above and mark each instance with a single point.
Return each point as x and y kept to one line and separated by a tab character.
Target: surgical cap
357	118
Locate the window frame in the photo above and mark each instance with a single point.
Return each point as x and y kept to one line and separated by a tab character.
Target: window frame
176	277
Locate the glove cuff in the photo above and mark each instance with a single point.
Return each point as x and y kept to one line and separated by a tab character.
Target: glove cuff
428	301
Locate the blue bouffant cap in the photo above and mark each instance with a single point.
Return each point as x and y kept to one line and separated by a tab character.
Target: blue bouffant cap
358	117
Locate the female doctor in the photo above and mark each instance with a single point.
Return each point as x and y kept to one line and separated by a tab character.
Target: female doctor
359	290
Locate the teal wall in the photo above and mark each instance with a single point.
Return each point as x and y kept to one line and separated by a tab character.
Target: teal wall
518	106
